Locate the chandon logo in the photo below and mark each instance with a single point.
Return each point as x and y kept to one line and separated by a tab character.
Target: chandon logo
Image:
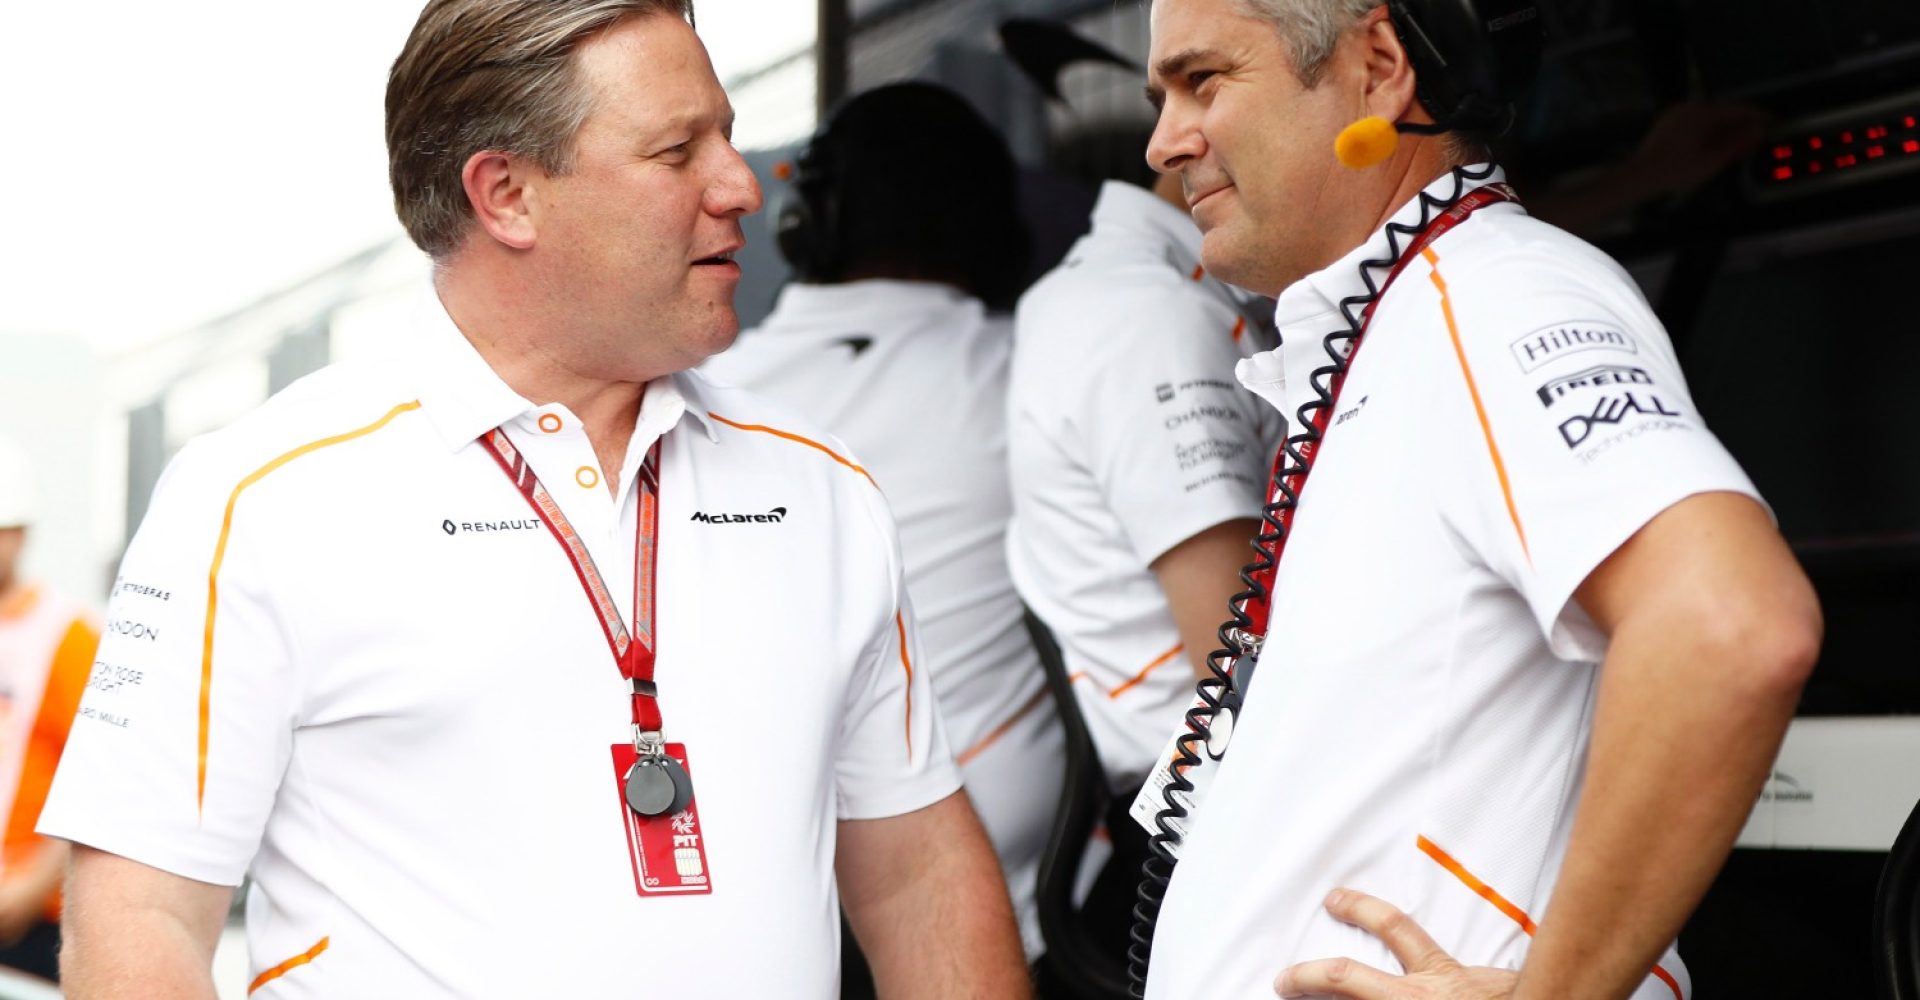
774	516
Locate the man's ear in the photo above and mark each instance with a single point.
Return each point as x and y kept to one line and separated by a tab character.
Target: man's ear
1389	72
497	186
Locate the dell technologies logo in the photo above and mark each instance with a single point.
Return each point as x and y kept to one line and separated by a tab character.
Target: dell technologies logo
774	516
1611	410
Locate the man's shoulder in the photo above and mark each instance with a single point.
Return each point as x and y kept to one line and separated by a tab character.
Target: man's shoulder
1118	308
1516	257
337	404
751	429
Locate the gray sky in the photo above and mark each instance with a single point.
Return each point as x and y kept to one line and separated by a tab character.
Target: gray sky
166	163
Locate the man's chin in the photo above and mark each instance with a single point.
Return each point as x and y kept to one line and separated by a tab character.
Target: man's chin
1232	261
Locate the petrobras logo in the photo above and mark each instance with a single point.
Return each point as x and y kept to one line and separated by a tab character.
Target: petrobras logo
1555	342
774	516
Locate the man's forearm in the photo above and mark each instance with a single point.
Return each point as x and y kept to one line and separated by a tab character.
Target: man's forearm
928	903
133	931
1684	735
151	956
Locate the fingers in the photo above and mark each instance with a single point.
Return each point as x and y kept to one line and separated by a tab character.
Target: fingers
1405	938
1340	977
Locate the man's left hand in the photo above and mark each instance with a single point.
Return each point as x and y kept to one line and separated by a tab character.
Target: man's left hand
1432	974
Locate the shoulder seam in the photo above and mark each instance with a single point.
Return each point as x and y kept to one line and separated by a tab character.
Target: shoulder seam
219	556
798	439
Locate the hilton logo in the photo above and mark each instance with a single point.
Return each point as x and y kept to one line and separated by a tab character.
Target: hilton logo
1555	342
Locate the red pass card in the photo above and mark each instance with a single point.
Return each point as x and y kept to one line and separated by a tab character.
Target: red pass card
669	856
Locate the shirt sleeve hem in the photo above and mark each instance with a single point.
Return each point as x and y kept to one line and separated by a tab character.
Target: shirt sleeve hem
149	854
902	797
1570	634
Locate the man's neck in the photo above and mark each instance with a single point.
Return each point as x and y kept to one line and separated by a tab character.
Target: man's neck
1426	162
520	348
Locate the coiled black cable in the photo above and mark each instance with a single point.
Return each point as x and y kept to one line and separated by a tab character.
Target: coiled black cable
1224	687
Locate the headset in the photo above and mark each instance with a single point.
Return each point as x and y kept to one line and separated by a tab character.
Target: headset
807	222
1471	59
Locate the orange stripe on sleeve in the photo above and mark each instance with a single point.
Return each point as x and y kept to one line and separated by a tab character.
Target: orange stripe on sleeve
1479	408
906	663
1144	671
809	442
1239	329
220	555
289	965
1199	271
1506	906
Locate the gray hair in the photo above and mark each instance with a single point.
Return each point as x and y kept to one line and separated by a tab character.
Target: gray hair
480	75
1310	28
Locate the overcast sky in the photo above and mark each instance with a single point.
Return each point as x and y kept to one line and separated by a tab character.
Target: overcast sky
167	163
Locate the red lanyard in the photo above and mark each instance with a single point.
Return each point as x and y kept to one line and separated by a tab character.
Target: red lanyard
1258	608
632	654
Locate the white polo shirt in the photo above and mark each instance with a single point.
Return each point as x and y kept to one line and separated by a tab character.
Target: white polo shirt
1129	436
913	375
397	713
1417	726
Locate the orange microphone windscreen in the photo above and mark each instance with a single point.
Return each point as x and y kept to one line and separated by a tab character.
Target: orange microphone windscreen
1366	143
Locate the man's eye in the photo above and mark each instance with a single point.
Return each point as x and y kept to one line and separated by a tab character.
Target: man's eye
1198	77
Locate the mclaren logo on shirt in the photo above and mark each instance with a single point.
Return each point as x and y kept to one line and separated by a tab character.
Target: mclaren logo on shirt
774	516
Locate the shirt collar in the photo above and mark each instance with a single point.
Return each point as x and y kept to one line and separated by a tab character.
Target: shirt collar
1309	309
464	398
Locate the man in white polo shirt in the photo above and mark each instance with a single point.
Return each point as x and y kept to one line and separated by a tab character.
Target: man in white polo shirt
1138	464
1533	640
902	224
530	665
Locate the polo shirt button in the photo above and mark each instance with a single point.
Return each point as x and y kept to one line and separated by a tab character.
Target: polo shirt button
551	423
587	476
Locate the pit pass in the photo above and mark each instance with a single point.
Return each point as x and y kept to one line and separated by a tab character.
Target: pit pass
668	852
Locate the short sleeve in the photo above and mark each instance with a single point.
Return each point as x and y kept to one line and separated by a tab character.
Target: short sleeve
1572	428
893	756
1175	443
185	728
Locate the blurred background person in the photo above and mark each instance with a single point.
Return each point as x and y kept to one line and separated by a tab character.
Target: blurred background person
902	225
1139	470
47	641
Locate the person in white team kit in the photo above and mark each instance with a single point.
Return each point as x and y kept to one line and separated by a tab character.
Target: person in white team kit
902	225
530	664
1534	640
1137	464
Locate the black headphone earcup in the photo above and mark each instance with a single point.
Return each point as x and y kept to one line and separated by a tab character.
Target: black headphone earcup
793	233
1472	57
806	224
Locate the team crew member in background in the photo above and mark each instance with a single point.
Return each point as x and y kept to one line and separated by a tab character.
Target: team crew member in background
902	223
47	642
1137	466
404	658
1534	641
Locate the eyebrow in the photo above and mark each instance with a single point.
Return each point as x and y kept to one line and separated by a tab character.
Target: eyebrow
1171	67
